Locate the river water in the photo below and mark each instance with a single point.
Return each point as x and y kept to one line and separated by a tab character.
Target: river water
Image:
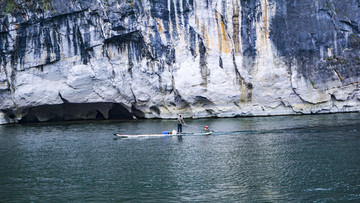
266	159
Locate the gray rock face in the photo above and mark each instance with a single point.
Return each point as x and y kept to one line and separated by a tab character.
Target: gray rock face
97	59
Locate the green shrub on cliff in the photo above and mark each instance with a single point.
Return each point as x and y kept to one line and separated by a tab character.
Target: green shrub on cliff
13	6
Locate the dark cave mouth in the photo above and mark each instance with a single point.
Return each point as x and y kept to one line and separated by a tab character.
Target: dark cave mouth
75	112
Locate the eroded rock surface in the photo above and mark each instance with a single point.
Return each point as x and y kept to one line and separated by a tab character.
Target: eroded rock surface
97	59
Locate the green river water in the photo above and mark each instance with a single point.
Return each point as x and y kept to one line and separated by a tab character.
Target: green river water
313	158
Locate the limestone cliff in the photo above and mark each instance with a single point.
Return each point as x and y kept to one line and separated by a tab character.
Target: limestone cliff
110	59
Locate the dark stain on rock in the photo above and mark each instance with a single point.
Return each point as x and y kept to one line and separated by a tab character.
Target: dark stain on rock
48	44
20	46
220	62
4	45
80	45
178	10
133	42
173	20
324	42
192	41
249	17
159	9
203	63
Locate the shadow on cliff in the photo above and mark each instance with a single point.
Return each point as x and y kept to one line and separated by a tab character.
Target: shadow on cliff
76	111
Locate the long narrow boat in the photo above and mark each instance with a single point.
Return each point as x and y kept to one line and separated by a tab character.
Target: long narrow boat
159	135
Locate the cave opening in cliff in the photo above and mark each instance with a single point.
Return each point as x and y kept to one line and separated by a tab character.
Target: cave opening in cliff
75	111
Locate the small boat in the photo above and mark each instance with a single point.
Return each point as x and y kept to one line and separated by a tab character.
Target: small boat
160	135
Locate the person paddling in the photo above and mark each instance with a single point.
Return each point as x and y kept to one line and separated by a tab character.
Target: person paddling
180	121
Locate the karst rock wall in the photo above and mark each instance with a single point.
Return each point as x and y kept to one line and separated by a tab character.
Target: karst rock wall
110	59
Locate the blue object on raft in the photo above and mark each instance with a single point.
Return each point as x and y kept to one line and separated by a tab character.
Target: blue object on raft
165	132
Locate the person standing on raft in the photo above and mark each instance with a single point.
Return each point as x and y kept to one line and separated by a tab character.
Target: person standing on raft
180	121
